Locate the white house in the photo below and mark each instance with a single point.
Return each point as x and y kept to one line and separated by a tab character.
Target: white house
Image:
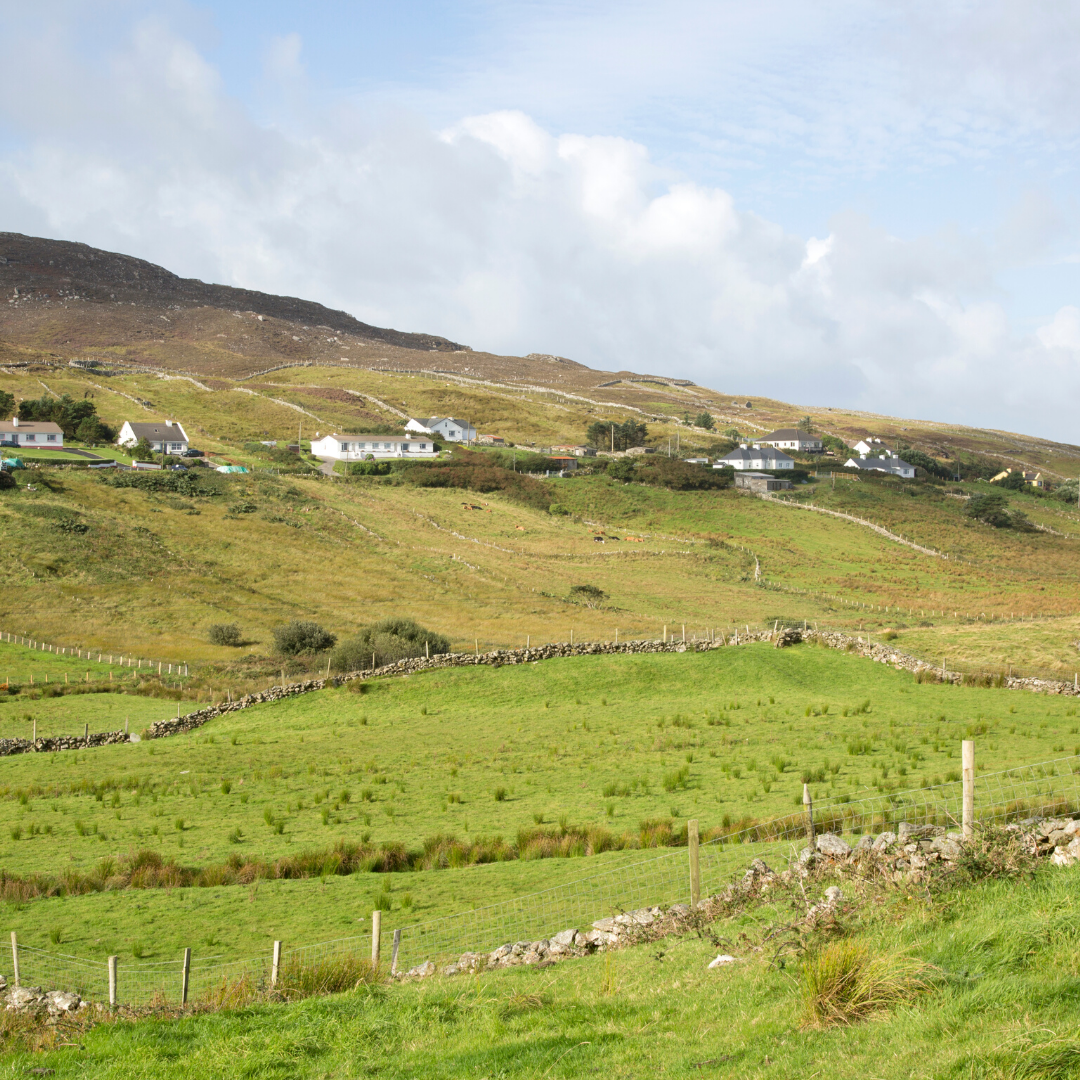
165	437
895	465
755	457
444	426
363	447
43	434
792	439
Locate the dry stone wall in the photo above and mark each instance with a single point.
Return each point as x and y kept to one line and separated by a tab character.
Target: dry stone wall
871	650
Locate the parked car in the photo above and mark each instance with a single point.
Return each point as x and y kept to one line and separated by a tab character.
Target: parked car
192	452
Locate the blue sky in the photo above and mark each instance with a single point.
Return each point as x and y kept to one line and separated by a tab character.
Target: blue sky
867	204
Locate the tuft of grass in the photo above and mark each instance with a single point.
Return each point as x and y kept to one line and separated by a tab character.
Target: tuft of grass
500	794
301	978
844	983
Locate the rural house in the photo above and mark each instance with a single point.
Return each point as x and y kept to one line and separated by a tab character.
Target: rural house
43	434
895	465
863	447
373	447
796	439
757	457
165	437
1035	479
574	449
444	426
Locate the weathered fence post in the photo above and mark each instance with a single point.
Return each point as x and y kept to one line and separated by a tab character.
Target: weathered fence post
394	951
967	755
112	982
808	802
695	874
376	937
86	734
15	958
185	975
275	965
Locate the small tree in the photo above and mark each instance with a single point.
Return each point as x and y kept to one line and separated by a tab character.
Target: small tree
302	636
990	509
590	595
806	424
705	421
7	404
142	451
387	641
225	634
93	432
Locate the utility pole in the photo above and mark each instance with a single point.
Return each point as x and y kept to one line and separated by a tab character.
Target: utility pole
613	438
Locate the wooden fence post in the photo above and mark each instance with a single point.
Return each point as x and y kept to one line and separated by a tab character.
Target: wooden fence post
376	937
695	874
808	802
275	965
15	958
394	952
185	975
967	755
112	982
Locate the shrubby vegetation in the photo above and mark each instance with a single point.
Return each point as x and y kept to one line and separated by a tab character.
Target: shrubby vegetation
68	413
993	509
386	642
612	436
7	404
477	472
225	634
302	636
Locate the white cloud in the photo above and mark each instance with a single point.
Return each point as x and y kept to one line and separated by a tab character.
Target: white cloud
510	237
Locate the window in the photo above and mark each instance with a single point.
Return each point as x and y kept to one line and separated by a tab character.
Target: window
344	447
50	438
177	446
29	438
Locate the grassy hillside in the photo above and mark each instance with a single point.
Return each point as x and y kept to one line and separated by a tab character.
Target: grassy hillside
603	744
989	992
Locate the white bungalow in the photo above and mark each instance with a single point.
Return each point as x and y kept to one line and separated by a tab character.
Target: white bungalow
165	437
32	434
444	426
365	447
895	465
755	457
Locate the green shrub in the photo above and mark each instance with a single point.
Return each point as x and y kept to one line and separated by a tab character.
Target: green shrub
224	634
302	636
388	641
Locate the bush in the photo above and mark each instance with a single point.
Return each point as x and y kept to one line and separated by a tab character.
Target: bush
477	472
224	634
369	468
7	480
676	475
388	640
608	436
590	595
623	470
705	420
302	636
7	404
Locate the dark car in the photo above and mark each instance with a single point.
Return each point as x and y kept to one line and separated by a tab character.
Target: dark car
192	452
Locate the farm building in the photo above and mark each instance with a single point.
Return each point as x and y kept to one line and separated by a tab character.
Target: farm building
31	433
365	447
759	481
165	437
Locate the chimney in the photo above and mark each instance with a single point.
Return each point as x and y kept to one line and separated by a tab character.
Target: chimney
168	423
15	421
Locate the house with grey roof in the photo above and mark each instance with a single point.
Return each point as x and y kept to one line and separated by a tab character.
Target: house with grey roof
164	436
895	465
802	442
755	457
446	427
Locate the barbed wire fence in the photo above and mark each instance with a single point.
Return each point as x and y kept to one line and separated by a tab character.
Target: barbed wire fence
656	879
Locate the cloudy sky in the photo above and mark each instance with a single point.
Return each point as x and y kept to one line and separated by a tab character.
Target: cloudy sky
851	203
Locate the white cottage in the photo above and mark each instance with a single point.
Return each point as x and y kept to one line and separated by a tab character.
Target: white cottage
31	434
755	457
445	427
164	437
373	447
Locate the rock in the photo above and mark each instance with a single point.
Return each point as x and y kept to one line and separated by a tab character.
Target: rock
831	845
564	937
421	971
807	857
642	917
450	969
25	999
865	844
681	910
1060	838
469	961
723	959
908	832
884	841
3	983
604	924
946	848
532	956
758	868
60	1001
579	941
1061	857
500	953
833	894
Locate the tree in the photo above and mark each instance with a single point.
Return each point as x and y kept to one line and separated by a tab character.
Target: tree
837	446
991	509
623	470
705	421
302	636
806	424
65	411
611	436
1014	481
92	431
386	642
592	596
142	451
7	404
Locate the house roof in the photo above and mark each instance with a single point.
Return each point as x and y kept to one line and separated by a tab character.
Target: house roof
883	464
368	437
31	426
152	431
788	434
741	453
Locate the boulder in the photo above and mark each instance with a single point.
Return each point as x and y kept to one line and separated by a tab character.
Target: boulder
61	1001
884	841
946	847
1061	857
564	938
421	971
866	843
450	969
681	910
1060	838
25	999
831	845
605	924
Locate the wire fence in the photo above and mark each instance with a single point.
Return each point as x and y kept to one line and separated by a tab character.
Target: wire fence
1050	788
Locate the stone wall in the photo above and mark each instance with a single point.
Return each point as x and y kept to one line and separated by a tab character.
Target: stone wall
879	653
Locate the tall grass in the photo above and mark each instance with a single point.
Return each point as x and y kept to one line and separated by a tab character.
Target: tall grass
300	978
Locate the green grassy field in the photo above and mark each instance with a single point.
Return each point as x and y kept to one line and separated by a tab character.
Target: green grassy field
600	742
996	999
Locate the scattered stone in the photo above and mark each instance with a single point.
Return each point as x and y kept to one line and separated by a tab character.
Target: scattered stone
884	841
565	938
723	959
421	971
833	846
60	1001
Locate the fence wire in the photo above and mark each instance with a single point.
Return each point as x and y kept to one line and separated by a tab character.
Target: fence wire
657	878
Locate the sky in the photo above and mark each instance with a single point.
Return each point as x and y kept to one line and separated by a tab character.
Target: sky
858	204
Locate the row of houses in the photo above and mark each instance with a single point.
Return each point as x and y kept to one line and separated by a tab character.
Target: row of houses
166	437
